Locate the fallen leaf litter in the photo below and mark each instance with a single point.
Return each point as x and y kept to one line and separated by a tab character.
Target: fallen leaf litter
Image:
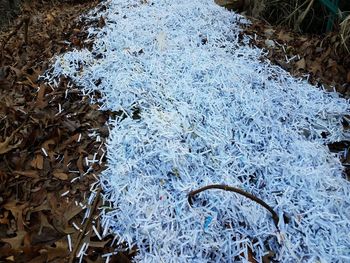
52	141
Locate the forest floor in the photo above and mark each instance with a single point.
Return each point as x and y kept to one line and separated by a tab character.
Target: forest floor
48	136
41	197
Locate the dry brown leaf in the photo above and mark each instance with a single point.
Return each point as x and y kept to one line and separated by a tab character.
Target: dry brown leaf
315	67
4	218
44	222
17	211
47	144
42	207
49	18
4	83
80	164
71	125
267	257
38	162
5	146
65	212
99	244
101	22
15	242
331	63
57	252
269	32
39	259
11	258
46	236
75	40
301	64
251	258
40	99
30	173
230	4
61	175
66	159
121	258
27	240
284	36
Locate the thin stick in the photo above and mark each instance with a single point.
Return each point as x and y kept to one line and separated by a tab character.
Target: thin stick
86	225
238	191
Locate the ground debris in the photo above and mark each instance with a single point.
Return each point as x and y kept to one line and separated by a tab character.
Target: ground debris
320	58
44	140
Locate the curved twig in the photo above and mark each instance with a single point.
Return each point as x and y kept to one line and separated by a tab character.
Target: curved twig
238	191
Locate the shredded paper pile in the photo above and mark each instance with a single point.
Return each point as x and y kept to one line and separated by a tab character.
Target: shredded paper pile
198	106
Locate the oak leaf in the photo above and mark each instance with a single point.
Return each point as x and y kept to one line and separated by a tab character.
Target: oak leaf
301	64
38	162
61	175
15	242
5	146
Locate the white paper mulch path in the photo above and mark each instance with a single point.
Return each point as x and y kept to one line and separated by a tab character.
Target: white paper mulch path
211	113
